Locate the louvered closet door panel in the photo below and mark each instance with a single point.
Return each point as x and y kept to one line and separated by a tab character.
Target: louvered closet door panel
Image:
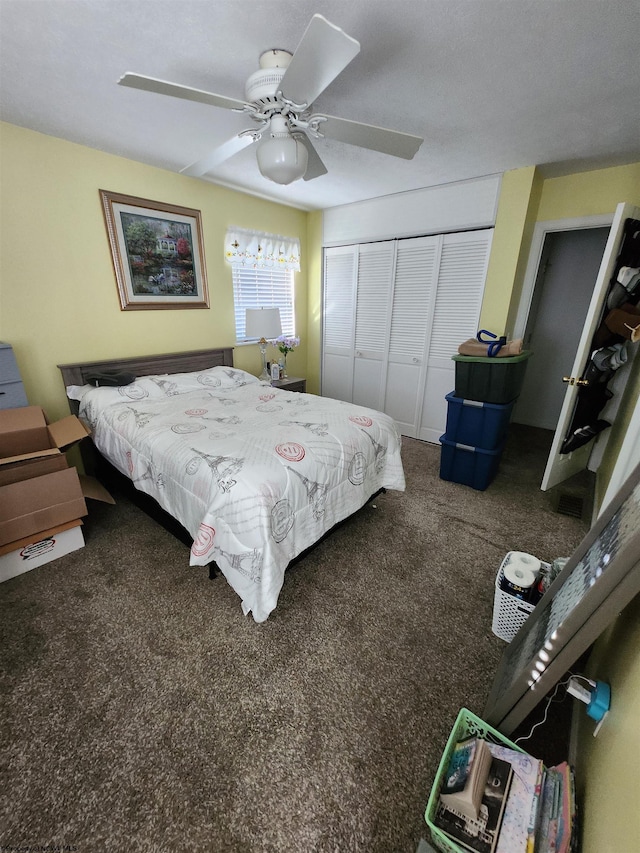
340	266
461	279
413	299
373	308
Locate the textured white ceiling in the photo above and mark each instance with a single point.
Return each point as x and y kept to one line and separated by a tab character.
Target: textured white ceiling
491	84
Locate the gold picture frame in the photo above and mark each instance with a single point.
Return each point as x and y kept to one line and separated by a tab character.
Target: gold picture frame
157	253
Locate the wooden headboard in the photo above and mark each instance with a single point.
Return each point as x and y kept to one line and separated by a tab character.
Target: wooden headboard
149	365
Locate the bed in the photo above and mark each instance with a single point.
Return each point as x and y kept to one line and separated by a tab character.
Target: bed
255	474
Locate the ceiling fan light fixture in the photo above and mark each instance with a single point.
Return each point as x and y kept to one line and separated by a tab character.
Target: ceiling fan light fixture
281	157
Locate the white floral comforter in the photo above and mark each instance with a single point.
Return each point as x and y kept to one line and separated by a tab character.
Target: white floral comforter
254	473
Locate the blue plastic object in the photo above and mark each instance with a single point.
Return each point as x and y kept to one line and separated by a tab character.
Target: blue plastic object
467	465
478	424
600	701
494	343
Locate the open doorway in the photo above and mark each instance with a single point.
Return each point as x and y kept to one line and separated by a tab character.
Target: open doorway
561	277
564	283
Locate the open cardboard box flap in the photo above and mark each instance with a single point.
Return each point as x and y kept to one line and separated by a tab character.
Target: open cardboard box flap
67	431
93	490
25	434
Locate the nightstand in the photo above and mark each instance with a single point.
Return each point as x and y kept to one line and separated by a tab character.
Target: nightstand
291	383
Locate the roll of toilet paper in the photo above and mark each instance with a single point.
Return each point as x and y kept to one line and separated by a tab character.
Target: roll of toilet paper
520	573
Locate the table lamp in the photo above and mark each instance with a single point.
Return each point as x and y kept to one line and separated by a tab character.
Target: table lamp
264	324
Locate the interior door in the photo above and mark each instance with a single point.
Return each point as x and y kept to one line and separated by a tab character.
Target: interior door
568	267
373	309
562	466
414	292
460	284
340	272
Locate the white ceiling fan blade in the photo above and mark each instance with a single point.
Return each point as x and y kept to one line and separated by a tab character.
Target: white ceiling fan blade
315	166
392	142
162	87
218	155
324	51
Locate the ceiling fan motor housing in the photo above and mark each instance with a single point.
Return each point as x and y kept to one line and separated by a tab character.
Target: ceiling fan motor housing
263	84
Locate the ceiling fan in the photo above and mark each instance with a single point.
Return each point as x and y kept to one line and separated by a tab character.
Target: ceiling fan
279	98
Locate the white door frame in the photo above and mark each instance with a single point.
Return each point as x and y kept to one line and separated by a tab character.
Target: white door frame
540	232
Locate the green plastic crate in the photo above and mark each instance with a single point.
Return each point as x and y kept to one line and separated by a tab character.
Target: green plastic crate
490	380
466	725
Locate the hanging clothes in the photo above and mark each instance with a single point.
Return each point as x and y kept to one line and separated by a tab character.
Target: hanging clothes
619	324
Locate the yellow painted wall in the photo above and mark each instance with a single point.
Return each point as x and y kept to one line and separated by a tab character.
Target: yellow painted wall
58	297
607	765
589	193
515	220
525	199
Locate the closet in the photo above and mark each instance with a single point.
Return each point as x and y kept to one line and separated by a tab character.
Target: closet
394	313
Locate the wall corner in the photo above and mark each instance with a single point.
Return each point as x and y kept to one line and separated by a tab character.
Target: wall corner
520	194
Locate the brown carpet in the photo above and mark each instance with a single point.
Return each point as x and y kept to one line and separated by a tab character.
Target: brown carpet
144	712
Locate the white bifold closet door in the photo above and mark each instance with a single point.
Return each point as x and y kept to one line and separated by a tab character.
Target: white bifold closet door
394	314
374	293
340	269
462	273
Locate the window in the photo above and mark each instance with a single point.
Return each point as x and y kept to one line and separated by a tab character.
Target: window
263	288
263	267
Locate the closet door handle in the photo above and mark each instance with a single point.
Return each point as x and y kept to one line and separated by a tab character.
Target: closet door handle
415	360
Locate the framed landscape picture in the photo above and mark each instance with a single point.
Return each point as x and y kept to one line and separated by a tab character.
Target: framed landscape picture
157	253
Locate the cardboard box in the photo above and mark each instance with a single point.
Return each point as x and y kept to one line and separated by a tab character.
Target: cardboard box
38	490
31	447
29	506
43	548
43	534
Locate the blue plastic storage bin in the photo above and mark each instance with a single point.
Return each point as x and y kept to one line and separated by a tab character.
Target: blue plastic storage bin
475	423
467	465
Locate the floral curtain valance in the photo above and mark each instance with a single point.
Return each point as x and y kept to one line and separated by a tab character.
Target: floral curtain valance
255	249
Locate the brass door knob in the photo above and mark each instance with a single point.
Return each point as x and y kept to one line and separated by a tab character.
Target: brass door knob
571	380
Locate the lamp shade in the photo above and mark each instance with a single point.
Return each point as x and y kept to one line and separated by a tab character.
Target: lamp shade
263	323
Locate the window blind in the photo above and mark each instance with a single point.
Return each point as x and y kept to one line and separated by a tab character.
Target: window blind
263	288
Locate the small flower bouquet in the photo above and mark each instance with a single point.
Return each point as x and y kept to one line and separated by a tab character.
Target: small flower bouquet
286	345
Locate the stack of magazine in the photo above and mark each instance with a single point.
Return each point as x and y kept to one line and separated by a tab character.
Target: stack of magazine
495	799
557	831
